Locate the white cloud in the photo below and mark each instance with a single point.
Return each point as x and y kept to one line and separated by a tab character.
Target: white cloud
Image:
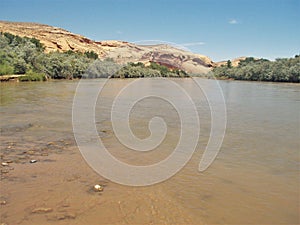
233	21
119	32
183	46
192	44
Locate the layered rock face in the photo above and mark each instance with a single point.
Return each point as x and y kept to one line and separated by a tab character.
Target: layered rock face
53	38
57	39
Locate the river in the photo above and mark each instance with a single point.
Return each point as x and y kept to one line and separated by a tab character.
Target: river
253	180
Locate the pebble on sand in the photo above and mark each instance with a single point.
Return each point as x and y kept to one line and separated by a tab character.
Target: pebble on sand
4	171
98	188
3	202
42	210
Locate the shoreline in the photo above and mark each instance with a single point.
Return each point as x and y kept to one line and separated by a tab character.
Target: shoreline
12	77
15	79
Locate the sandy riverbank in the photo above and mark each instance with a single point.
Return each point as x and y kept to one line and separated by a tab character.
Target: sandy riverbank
57	189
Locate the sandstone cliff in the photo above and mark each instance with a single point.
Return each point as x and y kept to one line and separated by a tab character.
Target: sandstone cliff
234	62
57	39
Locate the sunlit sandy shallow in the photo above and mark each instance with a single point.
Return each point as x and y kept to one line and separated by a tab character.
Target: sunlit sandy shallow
254	180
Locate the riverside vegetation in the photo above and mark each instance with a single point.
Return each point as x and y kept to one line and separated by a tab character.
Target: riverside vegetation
26	56
280	70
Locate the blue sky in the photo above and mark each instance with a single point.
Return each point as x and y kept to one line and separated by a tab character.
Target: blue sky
220	29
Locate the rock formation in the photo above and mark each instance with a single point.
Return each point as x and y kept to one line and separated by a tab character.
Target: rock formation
57	39
234	62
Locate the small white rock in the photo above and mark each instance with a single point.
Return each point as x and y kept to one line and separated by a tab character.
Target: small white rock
4	164
98	187
33	161
3	202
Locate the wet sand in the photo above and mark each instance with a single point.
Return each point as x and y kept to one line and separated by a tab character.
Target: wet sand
58	189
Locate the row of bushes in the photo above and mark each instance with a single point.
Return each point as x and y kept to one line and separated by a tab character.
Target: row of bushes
135	70
280	70
32	76
23	55
108	68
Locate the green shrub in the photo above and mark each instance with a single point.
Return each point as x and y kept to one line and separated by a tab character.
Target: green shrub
32	76
6	69
91	55
20	66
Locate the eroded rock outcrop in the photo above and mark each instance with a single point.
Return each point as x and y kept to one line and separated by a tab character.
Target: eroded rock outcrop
57	39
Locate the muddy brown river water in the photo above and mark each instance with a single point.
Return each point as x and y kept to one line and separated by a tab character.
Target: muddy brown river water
254	179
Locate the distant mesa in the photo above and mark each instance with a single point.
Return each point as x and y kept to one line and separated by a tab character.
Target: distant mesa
58	39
